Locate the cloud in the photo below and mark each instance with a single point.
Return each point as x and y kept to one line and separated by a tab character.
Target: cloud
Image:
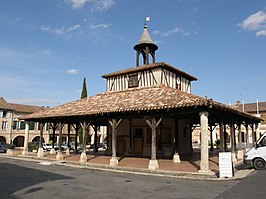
97	5
176	30
62	31
73	71
261	33
255	22
100	26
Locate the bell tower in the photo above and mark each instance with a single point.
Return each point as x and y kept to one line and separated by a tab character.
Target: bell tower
145	47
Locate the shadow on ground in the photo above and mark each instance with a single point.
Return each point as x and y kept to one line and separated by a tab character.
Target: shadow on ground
15	178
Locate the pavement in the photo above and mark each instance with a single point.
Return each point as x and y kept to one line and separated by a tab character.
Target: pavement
187	168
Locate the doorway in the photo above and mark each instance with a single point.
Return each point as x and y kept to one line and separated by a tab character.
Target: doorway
138	141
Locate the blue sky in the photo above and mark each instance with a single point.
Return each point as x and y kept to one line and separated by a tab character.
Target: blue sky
48	47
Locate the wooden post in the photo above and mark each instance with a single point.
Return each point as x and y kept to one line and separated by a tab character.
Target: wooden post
83	155
40	149
232	141
59	155
153	163
176	157
54	126
221	129
114	124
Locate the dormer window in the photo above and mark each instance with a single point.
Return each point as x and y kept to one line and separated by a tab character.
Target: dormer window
133	80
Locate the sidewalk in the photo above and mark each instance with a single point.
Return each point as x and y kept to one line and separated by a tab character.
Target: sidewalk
187	168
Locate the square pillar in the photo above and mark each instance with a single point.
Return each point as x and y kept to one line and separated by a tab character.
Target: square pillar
26	140
204	150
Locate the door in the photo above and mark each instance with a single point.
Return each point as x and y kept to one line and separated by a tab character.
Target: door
138	141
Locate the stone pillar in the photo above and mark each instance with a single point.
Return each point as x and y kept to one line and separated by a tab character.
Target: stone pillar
10	127
240	152
83	155
204	148
114	124
59	155
26	140
257	126
40	149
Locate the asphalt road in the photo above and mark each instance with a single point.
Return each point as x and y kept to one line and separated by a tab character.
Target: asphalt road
22	179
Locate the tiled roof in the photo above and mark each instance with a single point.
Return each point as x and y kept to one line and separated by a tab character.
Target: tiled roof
150	66
252	107
18	107
25	108
4	105
131	100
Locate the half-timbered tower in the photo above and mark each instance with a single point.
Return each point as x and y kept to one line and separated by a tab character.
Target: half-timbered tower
148	74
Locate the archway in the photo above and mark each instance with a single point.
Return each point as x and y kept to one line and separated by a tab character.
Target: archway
37	138
19	141
2	140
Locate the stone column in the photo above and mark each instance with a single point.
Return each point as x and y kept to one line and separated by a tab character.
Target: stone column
59	155
40	149
10	127
83	155
26	140
204	148
114	124
257	126
240	152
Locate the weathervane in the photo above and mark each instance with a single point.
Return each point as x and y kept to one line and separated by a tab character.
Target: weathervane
147	18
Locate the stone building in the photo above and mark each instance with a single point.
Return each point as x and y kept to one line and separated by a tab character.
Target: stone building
148	110
12	130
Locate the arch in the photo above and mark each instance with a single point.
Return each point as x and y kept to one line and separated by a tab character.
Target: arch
37	138
2	139
19	141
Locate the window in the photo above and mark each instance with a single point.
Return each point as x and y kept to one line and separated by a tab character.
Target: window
4	125
22	125
32	125
15	125
4	113
133	81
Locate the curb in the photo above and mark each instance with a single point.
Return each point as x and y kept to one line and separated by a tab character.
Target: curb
239	174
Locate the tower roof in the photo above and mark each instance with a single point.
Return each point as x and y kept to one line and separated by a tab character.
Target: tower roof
145	39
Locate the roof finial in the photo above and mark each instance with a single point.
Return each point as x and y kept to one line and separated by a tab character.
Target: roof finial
147	18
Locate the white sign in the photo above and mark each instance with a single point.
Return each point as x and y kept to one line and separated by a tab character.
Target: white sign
225	165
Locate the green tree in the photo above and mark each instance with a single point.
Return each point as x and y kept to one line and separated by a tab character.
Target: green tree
84	89
83	95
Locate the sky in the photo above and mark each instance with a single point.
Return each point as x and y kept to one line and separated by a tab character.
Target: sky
48	47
